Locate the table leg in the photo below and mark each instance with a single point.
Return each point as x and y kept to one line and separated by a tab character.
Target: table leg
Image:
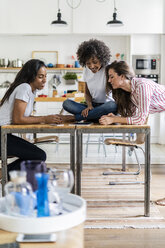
147	176
78	161
72	157
123	155
4	159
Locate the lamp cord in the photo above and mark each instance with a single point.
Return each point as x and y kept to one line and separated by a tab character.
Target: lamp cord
58	5
115	6
101	1
70	4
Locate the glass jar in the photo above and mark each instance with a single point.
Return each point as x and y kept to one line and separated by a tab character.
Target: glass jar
20	199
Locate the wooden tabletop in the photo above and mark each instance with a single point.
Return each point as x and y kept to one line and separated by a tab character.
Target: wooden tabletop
98	126
40	126
73	126
71	238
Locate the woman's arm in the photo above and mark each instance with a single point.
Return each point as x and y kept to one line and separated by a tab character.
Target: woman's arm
88	99
19	118
111	118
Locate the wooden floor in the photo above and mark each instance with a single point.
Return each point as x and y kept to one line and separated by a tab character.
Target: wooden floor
132	238
126	238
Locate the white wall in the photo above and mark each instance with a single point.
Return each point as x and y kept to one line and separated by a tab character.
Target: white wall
146	44
138	16
35	16
14	46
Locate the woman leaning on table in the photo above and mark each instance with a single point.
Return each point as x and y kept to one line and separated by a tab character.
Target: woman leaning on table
16	107
136	98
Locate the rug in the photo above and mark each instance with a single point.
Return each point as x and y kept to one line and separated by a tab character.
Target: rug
116	206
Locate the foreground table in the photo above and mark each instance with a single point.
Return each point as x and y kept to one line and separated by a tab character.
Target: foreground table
35	128
71	238
116	129
68	226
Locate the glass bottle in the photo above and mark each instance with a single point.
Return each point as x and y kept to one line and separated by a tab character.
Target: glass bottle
42	195
20	199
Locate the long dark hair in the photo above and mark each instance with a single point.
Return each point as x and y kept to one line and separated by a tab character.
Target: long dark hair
27	75
123	98
93	48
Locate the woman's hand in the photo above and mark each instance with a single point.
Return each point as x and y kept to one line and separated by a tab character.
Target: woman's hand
84	113
50	119
110	115
107	119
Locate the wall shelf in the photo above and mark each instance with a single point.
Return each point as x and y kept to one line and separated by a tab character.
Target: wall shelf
16	69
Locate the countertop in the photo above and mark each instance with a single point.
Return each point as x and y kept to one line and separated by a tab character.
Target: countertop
57	99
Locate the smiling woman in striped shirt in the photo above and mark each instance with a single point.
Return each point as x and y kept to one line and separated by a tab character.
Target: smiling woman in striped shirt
136	98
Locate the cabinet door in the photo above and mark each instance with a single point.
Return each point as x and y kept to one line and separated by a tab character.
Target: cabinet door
40	108
54	107
137	16
47	108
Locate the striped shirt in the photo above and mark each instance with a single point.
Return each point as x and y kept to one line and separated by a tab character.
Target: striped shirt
148	97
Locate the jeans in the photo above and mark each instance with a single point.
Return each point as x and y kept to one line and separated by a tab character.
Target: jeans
23	150
95	114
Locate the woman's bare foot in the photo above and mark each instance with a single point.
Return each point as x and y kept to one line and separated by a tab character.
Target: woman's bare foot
161	202
67	118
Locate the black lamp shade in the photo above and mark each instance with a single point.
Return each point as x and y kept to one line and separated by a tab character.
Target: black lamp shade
115	22
59	21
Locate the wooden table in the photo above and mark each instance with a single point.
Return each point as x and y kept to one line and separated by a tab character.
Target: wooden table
35	128
69	226
71	238
116	129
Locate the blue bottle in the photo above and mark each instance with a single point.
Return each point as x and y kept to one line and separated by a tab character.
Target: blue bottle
42	195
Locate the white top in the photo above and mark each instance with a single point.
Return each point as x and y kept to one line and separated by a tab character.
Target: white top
22	92
96	83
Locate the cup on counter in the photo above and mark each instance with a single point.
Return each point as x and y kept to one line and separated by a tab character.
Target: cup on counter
54	93
4	62
32	167
77	65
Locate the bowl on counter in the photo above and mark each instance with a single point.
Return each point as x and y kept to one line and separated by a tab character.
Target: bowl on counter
42	95
60	66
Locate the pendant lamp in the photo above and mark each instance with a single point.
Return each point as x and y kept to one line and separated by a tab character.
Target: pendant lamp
59	22
115	22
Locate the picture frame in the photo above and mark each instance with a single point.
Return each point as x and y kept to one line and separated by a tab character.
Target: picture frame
48	57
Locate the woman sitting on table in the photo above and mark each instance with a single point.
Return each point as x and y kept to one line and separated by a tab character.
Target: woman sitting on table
93	55
136	97
16	107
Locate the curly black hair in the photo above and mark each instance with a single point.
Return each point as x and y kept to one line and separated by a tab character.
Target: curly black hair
93	48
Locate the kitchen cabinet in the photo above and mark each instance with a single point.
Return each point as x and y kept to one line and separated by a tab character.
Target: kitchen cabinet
47	108
138	16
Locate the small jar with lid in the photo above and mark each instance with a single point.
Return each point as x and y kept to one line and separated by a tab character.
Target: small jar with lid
19	196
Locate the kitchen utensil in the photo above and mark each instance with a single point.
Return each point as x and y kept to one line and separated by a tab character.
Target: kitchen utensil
19	63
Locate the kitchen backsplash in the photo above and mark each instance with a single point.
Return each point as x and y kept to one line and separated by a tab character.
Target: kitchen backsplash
5	78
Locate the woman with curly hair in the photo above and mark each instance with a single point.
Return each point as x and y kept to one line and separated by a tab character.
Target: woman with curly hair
94	56
136	98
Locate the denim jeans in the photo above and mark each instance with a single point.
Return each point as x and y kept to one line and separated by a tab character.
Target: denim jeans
98	110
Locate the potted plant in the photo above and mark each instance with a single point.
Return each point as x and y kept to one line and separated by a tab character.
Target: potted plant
70	78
